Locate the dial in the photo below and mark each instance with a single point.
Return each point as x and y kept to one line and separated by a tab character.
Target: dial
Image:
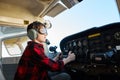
117	35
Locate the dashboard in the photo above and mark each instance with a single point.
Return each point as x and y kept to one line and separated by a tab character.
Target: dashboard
97	50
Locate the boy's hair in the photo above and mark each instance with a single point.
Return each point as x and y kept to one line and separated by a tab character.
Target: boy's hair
35	25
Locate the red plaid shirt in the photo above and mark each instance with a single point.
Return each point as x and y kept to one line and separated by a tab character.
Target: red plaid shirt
34	64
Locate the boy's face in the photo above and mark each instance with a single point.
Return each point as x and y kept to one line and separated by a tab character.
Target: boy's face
42	34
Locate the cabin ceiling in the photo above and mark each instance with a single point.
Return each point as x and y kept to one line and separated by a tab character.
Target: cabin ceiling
35	7
28	4
22	12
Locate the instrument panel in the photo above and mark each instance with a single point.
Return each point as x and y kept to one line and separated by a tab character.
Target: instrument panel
97	49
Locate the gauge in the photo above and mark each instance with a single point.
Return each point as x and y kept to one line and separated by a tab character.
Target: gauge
117	35
108	38
85	43
79	43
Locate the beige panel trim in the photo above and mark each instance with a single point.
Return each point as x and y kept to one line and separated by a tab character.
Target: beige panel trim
8	21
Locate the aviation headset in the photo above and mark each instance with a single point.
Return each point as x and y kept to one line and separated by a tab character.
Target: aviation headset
34	28
32	34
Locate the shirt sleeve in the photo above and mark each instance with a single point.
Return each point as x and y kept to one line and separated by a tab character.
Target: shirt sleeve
46	62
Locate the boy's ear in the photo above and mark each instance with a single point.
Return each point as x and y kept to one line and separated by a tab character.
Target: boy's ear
32	34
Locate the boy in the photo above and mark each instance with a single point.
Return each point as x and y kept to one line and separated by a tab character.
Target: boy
34	64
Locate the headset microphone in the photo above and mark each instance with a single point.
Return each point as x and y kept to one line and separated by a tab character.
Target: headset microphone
47	42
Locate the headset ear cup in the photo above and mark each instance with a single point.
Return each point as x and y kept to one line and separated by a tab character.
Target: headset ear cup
32	34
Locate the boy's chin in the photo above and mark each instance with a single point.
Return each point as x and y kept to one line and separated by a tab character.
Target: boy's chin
44	41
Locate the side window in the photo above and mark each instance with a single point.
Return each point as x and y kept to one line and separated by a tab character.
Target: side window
15	46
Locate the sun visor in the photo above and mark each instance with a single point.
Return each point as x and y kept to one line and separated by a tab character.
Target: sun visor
58	8
70	3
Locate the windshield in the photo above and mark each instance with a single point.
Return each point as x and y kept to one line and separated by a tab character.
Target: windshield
85	15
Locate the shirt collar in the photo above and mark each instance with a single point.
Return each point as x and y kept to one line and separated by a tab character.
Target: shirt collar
32	42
